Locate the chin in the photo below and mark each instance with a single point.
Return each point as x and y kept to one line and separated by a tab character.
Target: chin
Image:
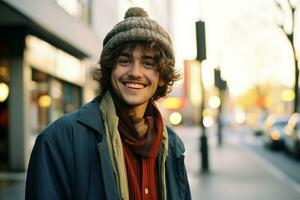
134	101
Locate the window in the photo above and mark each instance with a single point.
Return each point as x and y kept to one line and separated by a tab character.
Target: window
50	99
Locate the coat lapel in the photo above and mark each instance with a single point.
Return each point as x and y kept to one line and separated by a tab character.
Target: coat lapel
90	116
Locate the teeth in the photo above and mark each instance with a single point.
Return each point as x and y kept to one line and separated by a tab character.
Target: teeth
134	85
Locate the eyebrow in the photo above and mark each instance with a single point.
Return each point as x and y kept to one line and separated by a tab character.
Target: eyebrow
125	54
130	55
148	57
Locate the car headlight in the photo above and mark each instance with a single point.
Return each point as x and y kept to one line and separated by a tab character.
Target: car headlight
275	135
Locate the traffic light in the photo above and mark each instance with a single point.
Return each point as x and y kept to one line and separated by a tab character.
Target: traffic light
200	37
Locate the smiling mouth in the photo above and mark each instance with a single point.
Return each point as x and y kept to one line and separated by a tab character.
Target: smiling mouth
134	85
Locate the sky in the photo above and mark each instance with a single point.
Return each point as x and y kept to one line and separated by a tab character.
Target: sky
242	38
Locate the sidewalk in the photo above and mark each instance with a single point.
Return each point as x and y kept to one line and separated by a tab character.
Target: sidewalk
235	172
12	185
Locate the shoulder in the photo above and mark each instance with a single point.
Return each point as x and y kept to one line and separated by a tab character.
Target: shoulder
175	143
60	129
75	125
63	123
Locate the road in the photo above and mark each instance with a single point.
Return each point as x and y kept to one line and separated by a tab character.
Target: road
241	162
278	158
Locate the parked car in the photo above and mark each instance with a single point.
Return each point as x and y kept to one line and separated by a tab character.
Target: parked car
292	135
274	130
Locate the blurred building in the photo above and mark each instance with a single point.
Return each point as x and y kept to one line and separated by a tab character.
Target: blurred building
47	51
47	48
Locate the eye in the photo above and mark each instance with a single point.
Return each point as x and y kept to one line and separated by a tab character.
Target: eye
124	61
150	64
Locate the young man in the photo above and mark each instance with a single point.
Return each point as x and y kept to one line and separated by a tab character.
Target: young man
117	146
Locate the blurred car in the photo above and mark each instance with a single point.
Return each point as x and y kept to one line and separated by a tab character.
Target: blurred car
274	130
292	135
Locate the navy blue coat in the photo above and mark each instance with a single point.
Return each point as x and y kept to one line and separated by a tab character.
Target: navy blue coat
70	160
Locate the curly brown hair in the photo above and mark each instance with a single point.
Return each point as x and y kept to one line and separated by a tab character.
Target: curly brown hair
167	73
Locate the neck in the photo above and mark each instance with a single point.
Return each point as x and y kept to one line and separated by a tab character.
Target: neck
139	111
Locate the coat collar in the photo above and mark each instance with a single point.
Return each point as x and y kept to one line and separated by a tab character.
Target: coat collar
89	115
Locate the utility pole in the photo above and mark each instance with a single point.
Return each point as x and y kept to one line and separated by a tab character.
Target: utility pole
290	37
201	55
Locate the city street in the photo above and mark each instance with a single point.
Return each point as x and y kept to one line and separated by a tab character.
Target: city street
240	169
287	165
232	64
237	171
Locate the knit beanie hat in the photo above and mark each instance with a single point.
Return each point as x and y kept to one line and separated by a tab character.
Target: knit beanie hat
137	26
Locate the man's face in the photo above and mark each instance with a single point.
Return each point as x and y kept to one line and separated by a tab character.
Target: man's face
135	77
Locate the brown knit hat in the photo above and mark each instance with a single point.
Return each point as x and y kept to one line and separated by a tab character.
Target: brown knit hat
137	26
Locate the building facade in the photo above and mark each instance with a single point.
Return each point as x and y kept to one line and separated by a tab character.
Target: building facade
47	51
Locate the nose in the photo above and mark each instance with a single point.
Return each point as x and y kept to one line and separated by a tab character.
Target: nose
136	70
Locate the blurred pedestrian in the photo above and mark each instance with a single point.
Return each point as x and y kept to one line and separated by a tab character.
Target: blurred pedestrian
117	146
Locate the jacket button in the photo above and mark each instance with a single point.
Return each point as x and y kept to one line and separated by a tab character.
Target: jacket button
146	190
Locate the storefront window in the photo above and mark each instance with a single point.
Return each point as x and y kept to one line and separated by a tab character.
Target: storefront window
50	99
56	76
40	101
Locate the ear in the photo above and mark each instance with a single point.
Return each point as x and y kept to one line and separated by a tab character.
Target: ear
161	83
